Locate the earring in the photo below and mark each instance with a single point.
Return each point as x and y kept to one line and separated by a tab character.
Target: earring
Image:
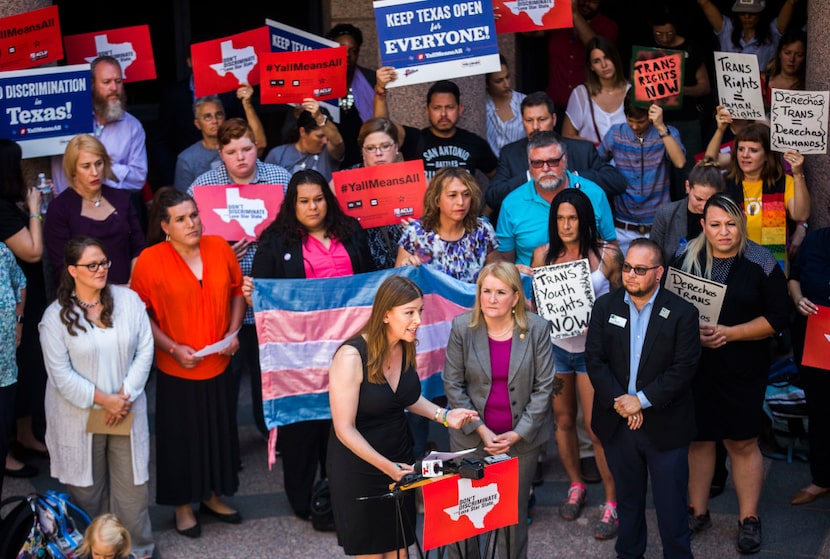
168	238
513	310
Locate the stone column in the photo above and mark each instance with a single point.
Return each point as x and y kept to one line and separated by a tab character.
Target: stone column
818	79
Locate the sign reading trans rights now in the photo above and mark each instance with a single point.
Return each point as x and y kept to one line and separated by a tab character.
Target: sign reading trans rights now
429	40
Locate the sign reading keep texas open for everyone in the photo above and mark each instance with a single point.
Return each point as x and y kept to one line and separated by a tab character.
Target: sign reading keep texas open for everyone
798	121
238	211
429	40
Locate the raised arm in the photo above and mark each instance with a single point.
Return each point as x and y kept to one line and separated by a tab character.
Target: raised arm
380	107
712	14
672	145
336	146
785	15
722	119
799	206
244	94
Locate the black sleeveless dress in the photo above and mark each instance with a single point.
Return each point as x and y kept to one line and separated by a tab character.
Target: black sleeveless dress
370	526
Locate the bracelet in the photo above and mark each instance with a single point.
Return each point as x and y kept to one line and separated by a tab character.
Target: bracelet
664	134
804	224
798	175
172	349
19	318
435	416
380	91
36	216
444	421
325	120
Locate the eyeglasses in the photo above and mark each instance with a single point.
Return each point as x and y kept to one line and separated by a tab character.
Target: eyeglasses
382	148
93	266
540	163
639	270
664	34
209	117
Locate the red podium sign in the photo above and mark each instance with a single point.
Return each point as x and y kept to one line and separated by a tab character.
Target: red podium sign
456	508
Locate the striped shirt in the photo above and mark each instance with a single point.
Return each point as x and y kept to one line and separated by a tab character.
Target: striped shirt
646	165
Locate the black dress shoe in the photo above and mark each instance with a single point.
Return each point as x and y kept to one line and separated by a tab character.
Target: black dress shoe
21	451
194	531
26	471
230	518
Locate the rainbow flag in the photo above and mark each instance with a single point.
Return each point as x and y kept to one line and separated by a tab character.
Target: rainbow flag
301	322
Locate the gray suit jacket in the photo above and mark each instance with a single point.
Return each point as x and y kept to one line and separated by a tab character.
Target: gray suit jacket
468	378
670	225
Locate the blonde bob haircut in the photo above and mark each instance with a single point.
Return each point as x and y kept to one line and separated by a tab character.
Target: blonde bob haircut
393	292
432	213
508	273
90	144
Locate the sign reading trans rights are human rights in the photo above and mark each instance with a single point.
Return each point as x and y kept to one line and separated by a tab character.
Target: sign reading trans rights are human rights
428	40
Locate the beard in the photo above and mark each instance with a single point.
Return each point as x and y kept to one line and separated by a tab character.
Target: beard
109	108
550	181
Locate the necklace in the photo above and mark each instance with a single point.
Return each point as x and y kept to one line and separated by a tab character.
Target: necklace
503	333
86	305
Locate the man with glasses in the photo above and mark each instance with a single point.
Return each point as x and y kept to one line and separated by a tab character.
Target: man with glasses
641	353
523	223
203	155
538	113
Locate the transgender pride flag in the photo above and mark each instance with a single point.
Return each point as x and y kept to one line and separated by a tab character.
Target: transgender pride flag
301	322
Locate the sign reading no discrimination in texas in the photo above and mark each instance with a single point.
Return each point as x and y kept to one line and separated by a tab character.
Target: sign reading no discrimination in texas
564	297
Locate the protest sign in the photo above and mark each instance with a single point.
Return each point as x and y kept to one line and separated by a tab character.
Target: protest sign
739	85
382	195
225	64
290	77
43	108
518	16
285	38
238	211
131	46
817	340
657	76
30	39
798	121
704	294
429	40
564	297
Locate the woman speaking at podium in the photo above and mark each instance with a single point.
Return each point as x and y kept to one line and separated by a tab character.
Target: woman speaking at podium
372	380
500	363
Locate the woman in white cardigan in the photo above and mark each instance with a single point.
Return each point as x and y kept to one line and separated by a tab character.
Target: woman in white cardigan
98	350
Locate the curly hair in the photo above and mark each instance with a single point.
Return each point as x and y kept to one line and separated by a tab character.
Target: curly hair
70	312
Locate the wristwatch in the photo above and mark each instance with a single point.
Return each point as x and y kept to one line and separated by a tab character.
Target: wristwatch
664	134
325	120
19	318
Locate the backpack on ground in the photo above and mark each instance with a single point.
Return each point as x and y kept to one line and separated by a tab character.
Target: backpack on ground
785	406
43	525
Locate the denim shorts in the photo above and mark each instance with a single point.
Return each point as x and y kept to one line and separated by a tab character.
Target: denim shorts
567	362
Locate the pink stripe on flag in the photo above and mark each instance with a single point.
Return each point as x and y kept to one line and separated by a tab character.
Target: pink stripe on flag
280	326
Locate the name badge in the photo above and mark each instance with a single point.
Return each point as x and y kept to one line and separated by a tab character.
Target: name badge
617	320
664	312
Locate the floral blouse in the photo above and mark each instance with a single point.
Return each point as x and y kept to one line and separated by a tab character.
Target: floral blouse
12	283
461	259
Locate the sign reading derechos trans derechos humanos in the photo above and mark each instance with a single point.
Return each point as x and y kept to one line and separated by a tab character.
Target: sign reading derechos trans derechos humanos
429	40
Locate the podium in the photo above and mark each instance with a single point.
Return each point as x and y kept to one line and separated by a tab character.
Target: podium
456	509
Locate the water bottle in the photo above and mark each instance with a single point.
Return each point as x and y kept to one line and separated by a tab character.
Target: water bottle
44	185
